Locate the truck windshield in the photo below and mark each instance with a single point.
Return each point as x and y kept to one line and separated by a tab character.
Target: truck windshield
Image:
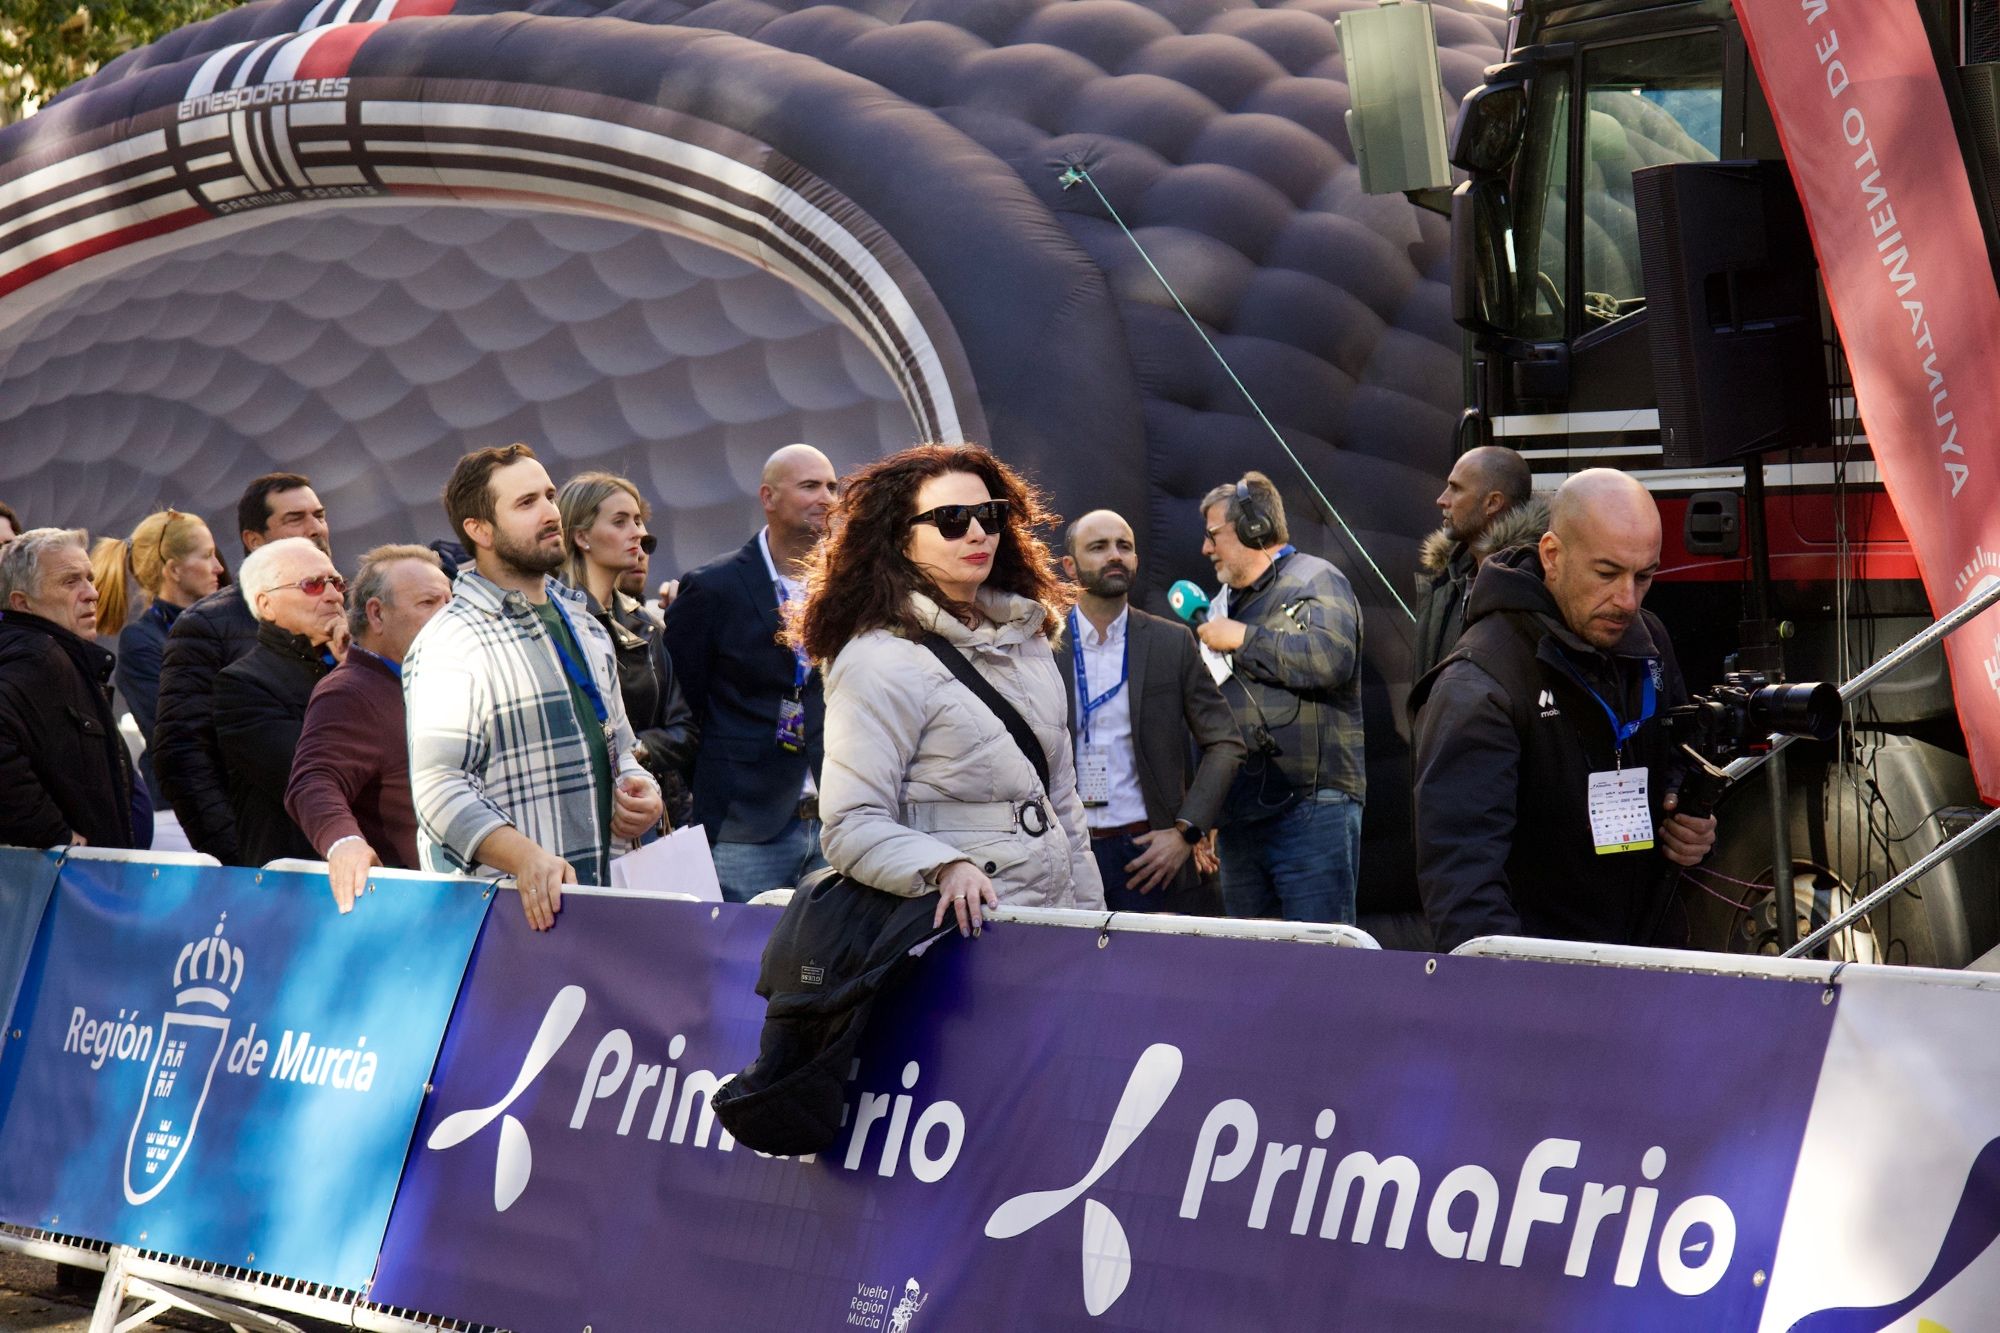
1645	103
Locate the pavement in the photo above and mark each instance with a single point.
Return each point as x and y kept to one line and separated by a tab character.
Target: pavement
32	1300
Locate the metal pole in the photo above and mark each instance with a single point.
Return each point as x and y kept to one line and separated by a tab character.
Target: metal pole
1781	854
1868	679
1923	865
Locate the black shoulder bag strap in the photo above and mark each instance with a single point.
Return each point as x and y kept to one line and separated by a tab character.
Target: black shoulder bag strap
1010	718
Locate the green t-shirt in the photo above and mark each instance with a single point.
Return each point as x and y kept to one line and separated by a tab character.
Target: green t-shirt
586	716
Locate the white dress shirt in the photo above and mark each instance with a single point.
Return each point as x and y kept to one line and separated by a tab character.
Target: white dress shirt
789	590
1109	728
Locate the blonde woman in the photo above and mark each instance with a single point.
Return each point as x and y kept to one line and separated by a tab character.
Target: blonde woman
605	538
143	584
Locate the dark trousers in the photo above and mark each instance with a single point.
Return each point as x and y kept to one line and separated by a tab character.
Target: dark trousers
1112	855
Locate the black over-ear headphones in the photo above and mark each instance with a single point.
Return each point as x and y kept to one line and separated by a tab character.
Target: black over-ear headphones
1254	527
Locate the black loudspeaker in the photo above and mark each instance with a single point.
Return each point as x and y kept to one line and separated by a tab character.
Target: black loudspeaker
1732	300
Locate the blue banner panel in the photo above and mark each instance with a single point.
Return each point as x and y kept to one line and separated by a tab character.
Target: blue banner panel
26	881
215	1063
1050	1128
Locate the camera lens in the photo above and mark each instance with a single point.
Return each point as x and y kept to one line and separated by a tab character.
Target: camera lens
1808	709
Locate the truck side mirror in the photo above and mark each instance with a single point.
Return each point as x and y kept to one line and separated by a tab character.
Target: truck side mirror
1490	120
1395	117
1482	256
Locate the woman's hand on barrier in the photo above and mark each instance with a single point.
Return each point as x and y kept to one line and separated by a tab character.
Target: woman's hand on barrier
961	891
540	879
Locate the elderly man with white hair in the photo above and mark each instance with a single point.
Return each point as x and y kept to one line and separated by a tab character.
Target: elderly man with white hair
298	598
64	772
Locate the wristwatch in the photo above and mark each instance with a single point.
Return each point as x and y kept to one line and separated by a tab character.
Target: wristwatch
1189	833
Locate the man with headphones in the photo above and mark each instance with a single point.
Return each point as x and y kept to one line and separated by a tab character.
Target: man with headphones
1288	632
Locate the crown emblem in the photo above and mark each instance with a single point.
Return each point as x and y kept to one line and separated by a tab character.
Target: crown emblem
208	971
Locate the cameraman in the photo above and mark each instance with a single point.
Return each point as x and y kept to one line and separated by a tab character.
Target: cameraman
1289	626
1542	769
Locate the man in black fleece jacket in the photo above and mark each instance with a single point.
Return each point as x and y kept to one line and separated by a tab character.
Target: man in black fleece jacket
1545	714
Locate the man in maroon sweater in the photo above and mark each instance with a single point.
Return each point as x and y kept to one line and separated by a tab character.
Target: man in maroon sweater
350	785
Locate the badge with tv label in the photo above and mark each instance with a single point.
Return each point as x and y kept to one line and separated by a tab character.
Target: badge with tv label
1621	815
1093	776
791	725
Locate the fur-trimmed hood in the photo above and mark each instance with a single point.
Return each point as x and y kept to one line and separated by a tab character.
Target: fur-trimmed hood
1514	527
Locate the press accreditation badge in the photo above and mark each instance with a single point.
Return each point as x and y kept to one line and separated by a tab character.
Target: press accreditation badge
1621	816
791	725
1093	776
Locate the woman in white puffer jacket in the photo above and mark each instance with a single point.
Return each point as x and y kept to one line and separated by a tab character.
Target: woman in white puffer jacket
923	789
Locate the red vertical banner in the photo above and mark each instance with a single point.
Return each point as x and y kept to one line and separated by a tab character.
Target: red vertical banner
1862	114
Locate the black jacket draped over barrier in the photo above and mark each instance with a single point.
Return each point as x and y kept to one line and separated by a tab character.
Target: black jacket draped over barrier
207	637
835	951
63	765
260	708
1508	731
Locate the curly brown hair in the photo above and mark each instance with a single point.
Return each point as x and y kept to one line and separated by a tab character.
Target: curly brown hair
859	578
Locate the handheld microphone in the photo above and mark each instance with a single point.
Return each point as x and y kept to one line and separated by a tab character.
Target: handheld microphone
1189	602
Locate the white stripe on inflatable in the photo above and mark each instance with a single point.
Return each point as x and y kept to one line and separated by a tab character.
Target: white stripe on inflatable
207	127
211	69
126	215
316	14
53	177
242	76
346	11
246	160
281	135
69	201
285	65
703	162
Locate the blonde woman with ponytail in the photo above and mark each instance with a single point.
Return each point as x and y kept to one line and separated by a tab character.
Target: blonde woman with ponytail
169	561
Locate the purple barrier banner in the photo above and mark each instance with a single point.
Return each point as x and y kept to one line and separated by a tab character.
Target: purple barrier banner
1053	1128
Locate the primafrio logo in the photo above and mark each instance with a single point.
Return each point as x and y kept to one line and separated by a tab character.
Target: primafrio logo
1107	1255
192	1037
515	1161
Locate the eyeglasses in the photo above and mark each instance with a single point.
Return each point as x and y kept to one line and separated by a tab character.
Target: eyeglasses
317	584
953	521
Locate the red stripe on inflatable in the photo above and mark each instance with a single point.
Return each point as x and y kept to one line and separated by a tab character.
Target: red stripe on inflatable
97	245
417	9
330	56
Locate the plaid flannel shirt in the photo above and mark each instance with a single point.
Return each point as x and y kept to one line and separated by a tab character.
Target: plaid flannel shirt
1301	658
494	734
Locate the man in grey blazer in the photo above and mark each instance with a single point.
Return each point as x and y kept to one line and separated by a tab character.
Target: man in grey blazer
1156	744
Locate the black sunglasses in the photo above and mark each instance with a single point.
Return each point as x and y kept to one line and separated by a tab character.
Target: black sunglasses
953	521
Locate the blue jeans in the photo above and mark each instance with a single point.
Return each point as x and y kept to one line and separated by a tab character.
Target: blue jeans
746	869
1113	854
1300	865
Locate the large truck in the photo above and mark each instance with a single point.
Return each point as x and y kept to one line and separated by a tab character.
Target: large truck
1789	560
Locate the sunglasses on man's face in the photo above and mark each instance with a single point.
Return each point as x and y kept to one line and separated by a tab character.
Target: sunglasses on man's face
953	521
318	583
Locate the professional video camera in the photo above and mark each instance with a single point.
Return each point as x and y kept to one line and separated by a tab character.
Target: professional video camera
1714	728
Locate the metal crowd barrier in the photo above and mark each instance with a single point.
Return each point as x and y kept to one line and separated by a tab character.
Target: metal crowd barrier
1754	966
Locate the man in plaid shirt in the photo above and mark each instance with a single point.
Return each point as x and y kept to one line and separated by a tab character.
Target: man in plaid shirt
520	752
1287	634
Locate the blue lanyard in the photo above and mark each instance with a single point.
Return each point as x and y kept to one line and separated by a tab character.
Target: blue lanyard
578	676
801	664
1648	697
1089	704
393	668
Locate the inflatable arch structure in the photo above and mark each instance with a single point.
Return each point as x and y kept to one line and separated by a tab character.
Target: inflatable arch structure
894	162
